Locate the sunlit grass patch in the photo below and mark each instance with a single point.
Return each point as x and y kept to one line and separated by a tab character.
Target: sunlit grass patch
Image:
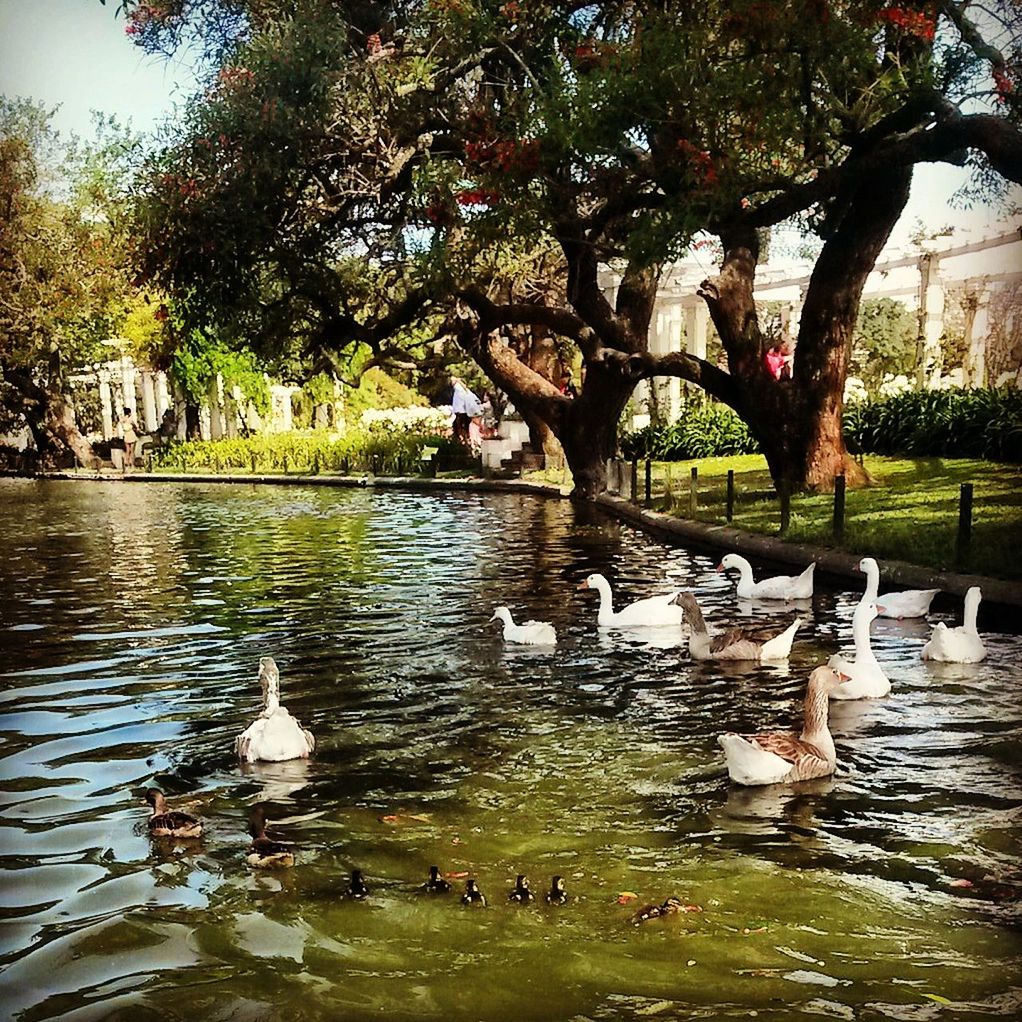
909	513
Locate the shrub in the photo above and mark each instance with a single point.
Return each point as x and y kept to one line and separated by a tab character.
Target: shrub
954	423
703	431
380	452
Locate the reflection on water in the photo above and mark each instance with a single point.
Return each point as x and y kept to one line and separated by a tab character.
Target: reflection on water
133	621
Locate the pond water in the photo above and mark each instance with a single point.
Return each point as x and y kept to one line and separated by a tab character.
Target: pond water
133	619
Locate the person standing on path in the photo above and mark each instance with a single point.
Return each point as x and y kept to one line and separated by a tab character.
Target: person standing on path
129	431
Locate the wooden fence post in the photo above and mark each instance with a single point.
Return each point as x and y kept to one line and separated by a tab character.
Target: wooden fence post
285	464
253	464
785	495
649	482
839	506
634	495
964	540
693	492
730	507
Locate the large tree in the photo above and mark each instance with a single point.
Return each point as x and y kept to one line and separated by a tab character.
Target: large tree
63	268
425	143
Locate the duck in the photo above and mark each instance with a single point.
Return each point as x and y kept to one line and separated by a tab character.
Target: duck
736	643
867	678
274	736
531	633
436	884
961	645
908	603
264	852
521	893
780	587
672	906
781	758
652	612
473	896
164	822
356	889
557	895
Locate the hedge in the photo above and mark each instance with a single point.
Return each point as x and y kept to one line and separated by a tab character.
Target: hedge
383	453
954	423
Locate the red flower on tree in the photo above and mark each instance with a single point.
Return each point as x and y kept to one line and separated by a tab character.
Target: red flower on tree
914	22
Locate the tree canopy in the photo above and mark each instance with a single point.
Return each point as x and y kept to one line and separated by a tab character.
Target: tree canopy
354	170
65	282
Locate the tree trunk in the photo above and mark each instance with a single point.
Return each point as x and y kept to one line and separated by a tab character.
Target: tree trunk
587	428
542	438
51	420
798	422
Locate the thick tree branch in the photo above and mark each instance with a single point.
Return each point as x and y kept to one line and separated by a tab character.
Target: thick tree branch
688	367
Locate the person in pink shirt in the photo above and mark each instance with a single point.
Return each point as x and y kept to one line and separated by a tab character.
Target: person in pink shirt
779	359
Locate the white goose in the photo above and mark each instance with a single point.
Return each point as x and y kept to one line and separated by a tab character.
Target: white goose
960	645
274	735
782	758
909	603
866	677
653	612
532	633
780	587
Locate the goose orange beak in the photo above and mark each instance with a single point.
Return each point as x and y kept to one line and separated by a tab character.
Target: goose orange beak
720	567
881	609
841	676
584	584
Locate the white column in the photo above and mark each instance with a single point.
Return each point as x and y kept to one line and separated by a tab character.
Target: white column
673	327
128	385
931	322
286	422
697	319
149	419
976	334
162	395
106	404
216	413
205	431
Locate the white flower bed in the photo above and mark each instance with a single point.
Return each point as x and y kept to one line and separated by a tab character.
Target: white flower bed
406	420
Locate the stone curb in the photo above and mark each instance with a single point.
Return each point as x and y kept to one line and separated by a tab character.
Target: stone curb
839	564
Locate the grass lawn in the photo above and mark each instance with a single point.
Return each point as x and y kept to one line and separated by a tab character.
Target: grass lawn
910	514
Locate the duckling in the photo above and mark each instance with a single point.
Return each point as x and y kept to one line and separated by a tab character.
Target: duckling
165	823
521	893
265	853
356	889
670	907
557	895
472	895
436	884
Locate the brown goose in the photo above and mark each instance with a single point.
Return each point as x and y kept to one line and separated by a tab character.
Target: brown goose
167	823
782	758
736	643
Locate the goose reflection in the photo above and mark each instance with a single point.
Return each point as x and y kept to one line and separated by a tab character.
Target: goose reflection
279	781
771	808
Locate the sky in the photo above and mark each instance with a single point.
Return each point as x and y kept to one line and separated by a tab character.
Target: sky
74	55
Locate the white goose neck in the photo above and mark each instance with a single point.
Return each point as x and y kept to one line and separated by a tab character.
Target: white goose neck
504	615
860	633
602	586
972	600
744	568
872	571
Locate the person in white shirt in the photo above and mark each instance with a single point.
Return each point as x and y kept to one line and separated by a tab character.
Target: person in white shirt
465	407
